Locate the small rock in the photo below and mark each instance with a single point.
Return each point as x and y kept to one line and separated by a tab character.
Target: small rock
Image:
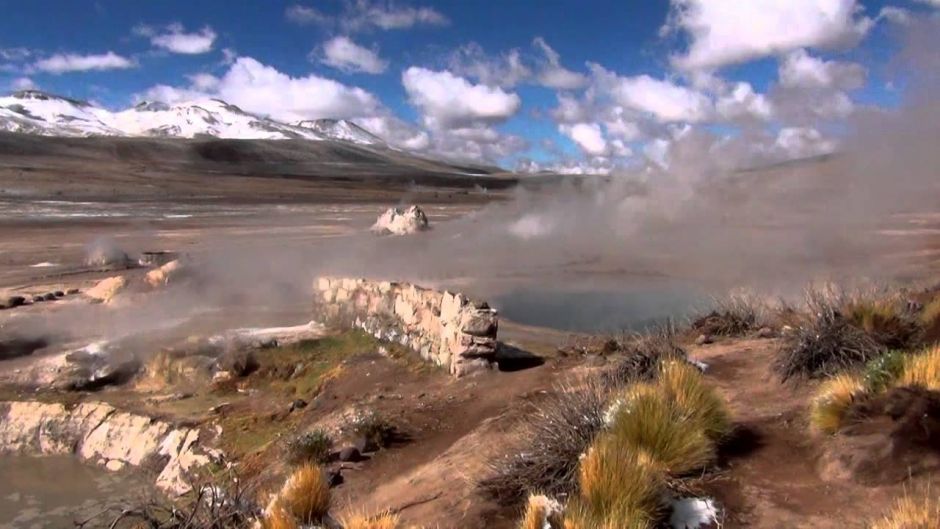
220	408
365	445
50	296
15	301
38	299
704	339
350	454
334	476
71	291
297	404
114	465
58	293
765	332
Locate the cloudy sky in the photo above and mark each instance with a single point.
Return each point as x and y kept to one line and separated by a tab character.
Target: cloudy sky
581	86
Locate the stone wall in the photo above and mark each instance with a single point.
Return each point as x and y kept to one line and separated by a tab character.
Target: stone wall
99	433
443	327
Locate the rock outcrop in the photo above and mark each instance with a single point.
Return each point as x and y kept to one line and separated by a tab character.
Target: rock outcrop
398	221
99	433
164	274
446	328
107	289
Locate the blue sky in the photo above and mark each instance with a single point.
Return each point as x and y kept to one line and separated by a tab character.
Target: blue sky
435	76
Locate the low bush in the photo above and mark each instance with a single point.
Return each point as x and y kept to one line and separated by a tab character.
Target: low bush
553	434
930	319
829	406
736	315
639	355
361	521
882	372
305	495
694	399
278	518
922	370
884	320
309	447
372	427
826	343
910	512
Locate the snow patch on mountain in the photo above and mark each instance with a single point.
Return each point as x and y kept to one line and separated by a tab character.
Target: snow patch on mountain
35	112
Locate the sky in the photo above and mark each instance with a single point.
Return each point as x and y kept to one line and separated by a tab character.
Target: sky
575	86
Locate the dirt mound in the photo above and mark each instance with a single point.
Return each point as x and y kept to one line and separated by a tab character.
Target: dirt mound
892	437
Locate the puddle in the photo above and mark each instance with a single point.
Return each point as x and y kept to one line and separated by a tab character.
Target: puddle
54	491
602	308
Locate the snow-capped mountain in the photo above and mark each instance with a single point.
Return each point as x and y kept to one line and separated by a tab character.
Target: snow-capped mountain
35	112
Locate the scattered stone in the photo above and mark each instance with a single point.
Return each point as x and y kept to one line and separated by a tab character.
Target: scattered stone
350	454
49	296
14	301
58	294
38	298
765	332
218	409
704	339
297	404
238	362
221	377
114	465
166	273
335	476
398	221
72	291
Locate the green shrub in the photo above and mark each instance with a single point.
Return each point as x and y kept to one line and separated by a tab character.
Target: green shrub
880	373
309	447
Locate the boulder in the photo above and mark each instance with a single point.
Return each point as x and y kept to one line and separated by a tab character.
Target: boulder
704	339
350	454
107	289
164	274
399	221
14	301
237	362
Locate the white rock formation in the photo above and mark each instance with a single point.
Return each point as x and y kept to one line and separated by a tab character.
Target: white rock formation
398	221
164	274
107	289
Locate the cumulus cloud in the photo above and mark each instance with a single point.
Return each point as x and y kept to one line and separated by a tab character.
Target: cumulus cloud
447	101
262	89
802	142
553	74
718	37
397	132
23	83
742	102
810	88
664	100
72	62
588	136
799	69
361	15
344	54
174	38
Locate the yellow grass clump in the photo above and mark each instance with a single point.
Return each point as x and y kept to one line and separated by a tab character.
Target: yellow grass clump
912	513
278	518
922	370
305	494
832	401
695	400
930	315
542	512
621	487
650	422
381	521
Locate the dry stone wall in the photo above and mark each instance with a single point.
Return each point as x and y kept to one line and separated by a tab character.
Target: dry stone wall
445	328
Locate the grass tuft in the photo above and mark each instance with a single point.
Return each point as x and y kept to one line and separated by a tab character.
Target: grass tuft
882	372
542	512
884	320
306	494
922	370
695	400
361	521
278	518
309	447
912	513
832	401
639	356
621	487
735	315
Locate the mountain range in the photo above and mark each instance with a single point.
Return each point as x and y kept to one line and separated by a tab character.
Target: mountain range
41	113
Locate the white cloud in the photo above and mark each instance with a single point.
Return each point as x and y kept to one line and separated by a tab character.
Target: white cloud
71	62
305	15
666	101
23	83
724	32
396	132
363	14
15	54
935	3
344	54
802	142
743	102
553	74
897	15
203	81
447	101
262	89
799	69
175	39
506	70
588	136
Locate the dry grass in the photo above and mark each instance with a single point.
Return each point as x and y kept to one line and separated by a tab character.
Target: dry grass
922	370
735	315
884	319
541	512
309	447
913	513
826	342
278	518
694	399
552	436
649	422
930	316
380	521
832	401
621	487
639	355
306	494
